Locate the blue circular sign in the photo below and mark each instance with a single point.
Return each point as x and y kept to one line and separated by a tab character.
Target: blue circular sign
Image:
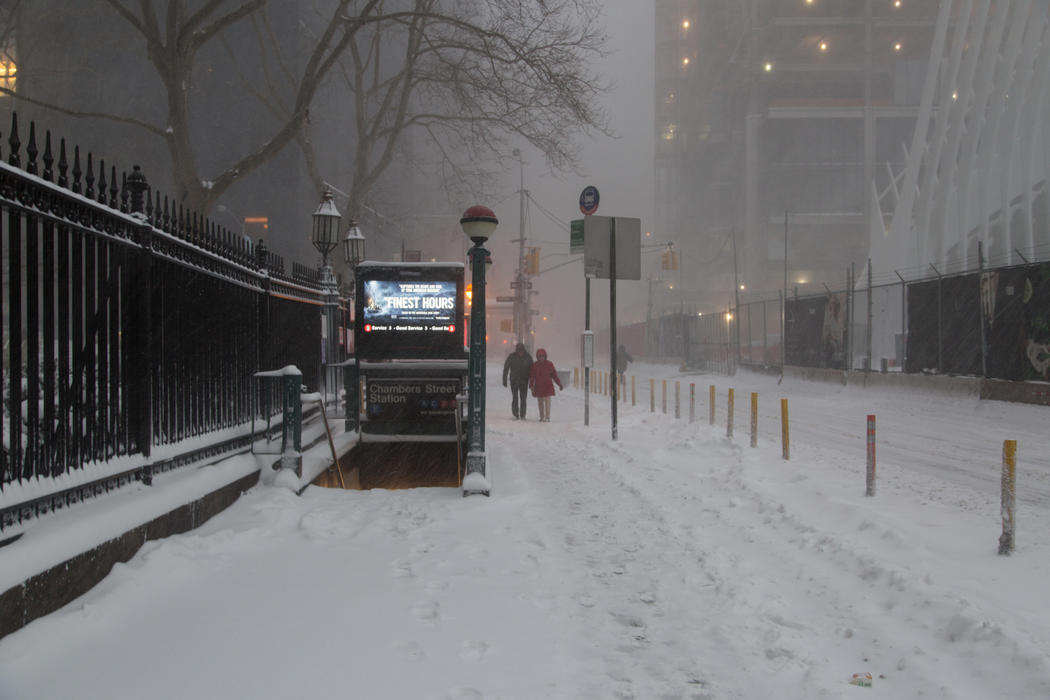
589	200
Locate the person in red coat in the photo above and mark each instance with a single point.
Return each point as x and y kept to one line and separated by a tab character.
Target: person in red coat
542	378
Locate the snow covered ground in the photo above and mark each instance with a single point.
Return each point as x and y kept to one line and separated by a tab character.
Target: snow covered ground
672	563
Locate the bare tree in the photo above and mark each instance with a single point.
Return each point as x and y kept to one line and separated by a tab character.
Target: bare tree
470	76
468	73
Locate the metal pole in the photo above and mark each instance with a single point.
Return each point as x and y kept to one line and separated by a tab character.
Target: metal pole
612	315
521	303
783	302
980	307
476	395
736	298
587	370
867	369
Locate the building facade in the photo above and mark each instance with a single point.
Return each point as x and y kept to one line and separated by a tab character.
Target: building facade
778	123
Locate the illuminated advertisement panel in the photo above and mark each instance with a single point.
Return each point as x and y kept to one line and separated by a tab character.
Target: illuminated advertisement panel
409	311
410	306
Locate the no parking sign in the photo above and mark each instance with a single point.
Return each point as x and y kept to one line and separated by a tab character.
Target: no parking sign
589	200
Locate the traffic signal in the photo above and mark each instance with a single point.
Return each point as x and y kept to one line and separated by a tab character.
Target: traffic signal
669	259
532	262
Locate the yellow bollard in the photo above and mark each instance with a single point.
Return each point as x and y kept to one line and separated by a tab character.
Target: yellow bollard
692	402
652	396
1009	496
729	416
677	401
632	389
784	437
754	419
663	397
712	402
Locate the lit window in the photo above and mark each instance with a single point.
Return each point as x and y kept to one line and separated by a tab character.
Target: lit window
668	132
685	61
8	73
955	95
685	24
823	45
897	46
768	67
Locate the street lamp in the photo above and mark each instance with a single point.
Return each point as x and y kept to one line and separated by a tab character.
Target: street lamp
479	223
353	254
353	247
324	237
326	224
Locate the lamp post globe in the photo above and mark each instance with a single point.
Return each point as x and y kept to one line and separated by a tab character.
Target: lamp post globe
353	246
326	220
479	223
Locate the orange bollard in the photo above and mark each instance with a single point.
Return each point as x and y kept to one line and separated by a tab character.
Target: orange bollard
754	419
784	437
729	416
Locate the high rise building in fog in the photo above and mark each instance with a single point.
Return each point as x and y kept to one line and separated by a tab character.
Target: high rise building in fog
774	110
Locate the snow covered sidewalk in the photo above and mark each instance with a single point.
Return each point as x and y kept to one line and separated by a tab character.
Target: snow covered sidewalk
673	563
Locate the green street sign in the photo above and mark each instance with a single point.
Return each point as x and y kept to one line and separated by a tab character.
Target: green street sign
576	236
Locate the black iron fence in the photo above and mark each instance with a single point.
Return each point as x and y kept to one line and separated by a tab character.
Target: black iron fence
988	323
993	323
128	323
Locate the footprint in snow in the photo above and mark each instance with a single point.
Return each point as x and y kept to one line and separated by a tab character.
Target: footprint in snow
472	650
426	611
409	649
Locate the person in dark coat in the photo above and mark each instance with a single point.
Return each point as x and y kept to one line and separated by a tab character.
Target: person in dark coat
542	378
517	368
622	358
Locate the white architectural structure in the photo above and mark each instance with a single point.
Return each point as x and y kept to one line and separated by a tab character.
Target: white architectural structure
976	171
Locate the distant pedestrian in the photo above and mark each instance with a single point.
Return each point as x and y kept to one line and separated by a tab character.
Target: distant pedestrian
542	378
622	358
517	367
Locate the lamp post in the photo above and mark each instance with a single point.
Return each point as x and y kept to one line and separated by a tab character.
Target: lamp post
479	223
324	237
353	254
521	294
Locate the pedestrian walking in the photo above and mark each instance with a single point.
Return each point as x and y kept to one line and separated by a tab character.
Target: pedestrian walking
542	378
622	358
516	368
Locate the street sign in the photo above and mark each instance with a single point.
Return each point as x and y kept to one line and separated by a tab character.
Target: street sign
596	258
589	200
502	299
576	236
518	285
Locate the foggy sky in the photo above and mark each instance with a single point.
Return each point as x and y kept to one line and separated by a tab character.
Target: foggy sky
622	170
